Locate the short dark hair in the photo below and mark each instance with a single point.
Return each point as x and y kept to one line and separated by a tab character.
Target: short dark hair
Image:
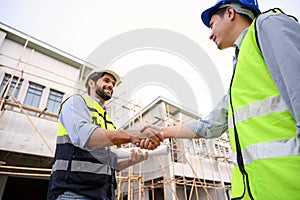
221	13
218	11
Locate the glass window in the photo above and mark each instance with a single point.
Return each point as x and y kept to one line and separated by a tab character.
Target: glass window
227	154
33	96
12	86
54	101
197	146
204	148
217	150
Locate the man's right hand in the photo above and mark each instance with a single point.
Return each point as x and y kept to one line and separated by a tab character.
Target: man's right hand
149	134
147	143
102	137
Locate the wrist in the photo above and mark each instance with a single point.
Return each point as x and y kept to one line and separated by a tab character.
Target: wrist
133	136
126	136
131	162
164	132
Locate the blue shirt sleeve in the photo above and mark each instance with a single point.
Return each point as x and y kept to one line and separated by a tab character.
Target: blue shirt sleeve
75	117
279	39
213	125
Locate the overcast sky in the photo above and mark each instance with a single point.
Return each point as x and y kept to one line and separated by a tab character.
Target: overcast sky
75	25
79	27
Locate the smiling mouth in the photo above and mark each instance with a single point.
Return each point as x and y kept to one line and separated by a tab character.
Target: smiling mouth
107	91
214	39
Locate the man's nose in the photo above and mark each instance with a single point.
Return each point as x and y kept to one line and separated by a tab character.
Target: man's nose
211	36
110	84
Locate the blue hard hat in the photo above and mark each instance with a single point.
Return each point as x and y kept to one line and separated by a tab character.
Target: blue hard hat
251	4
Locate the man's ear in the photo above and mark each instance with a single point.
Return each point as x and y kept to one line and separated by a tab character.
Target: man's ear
230	13
91	83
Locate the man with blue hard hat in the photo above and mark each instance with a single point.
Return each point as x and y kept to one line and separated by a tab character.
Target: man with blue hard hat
263	99
247	7
262	107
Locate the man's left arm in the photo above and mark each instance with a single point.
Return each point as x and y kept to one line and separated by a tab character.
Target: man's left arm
136	156
279	40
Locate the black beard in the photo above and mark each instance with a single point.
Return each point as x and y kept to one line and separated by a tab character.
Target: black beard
103	95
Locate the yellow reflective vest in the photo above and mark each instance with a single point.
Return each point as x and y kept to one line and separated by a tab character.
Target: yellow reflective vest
88	172
262	131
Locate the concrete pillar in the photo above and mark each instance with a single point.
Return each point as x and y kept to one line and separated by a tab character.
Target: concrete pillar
44	98
3	180
2	37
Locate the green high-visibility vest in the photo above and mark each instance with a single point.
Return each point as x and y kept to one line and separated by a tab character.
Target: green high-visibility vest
262	131
88	172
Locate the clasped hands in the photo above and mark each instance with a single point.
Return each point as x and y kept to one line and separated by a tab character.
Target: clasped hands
149	137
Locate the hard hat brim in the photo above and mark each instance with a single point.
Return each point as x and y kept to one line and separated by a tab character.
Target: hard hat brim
206	14
114	74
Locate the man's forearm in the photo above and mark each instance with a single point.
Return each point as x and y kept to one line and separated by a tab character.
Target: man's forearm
136	156
180	131
102	137
123	164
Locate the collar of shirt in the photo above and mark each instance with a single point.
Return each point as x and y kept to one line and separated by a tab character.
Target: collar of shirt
97	101
239	40
237	45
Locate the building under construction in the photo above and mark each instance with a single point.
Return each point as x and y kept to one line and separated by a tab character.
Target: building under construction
35	78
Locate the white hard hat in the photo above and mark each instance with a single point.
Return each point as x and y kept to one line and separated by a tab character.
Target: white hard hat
95	73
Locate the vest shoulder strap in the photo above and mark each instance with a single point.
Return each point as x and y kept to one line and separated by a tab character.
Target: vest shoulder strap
273	10
278	10
62	104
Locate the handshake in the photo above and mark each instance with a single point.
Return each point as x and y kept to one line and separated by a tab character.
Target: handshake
148	137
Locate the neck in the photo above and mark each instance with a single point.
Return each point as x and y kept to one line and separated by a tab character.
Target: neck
240	25
100	100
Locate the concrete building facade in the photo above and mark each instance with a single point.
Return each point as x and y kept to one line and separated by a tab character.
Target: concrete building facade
36	78
193	169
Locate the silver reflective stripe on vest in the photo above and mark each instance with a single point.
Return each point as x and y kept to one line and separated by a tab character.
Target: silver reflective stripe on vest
82	166
284	147
263	107
63	139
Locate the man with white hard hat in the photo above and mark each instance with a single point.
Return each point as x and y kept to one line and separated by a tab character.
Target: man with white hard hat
84	164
